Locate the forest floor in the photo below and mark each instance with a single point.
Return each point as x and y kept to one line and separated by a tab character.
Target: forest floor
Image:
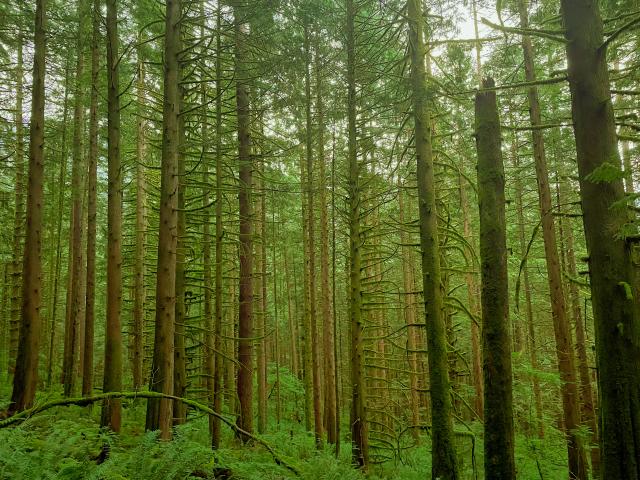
66	443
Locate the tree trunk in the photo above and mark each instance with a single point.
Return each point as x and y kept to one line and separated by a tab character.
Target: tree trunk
77	173
330	421
359	426
179	350
87	373
25	379
313	333
219	359
578	467
587	407
472	295
499	462
19	217
245	315
615	307
111	409
533	352
55	277
444	463
139	291
260	307
160	412
410	314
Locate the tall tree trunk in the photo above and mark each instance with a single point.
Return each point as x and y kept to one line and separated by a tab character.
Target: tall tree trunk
179	350
25	379
19	216
55	277
615	308
359	426
219	359
315	353
292	316
245	315
305	327
89	314
470	279
160	412
499	462
260	307
139	290
328	327
334	316
278	359
533	348
111	409
410	314
578	467
87	374
77	174
587	407
444	463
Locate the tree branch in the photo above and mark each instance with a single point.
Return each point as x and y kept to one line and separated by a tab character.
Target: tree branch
84	401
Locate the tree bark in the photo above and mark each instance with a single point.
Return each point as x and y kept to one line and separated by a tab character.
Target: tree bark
111	409
87	373
25	379
19	216
444	462
578	467
245	315
330	420
533	347
77	174
313	333
160	411
499	462
219	359
614	290
139	290
359	426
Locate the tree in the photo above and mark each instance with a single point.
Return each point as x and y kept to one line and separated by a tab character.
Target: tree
160	411
359	426
245	288
443	462
25	378
611	268
112	408
499	462
564	342
87	374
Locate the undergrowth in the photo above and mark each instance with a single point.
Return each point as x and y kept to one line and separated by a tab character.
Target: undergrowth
66	444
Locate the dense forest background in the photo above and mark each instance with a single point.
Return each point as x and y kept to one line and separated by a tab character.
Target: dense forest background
319	239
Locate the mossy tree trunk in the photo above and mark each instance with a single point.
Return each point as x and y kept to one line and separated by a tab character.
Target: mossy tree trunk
578	467
614	291
359	426
443	463
499	462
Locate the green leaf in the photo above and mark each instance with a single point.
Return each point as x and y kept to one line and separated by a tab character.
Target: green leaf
607	172
628	293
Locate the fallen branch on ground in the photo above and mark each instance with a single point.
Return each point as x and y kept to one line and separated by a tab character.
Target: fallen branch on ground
84	401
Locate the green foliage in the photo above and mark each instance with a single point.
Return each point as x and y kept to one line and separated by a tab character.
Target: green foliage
607	172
